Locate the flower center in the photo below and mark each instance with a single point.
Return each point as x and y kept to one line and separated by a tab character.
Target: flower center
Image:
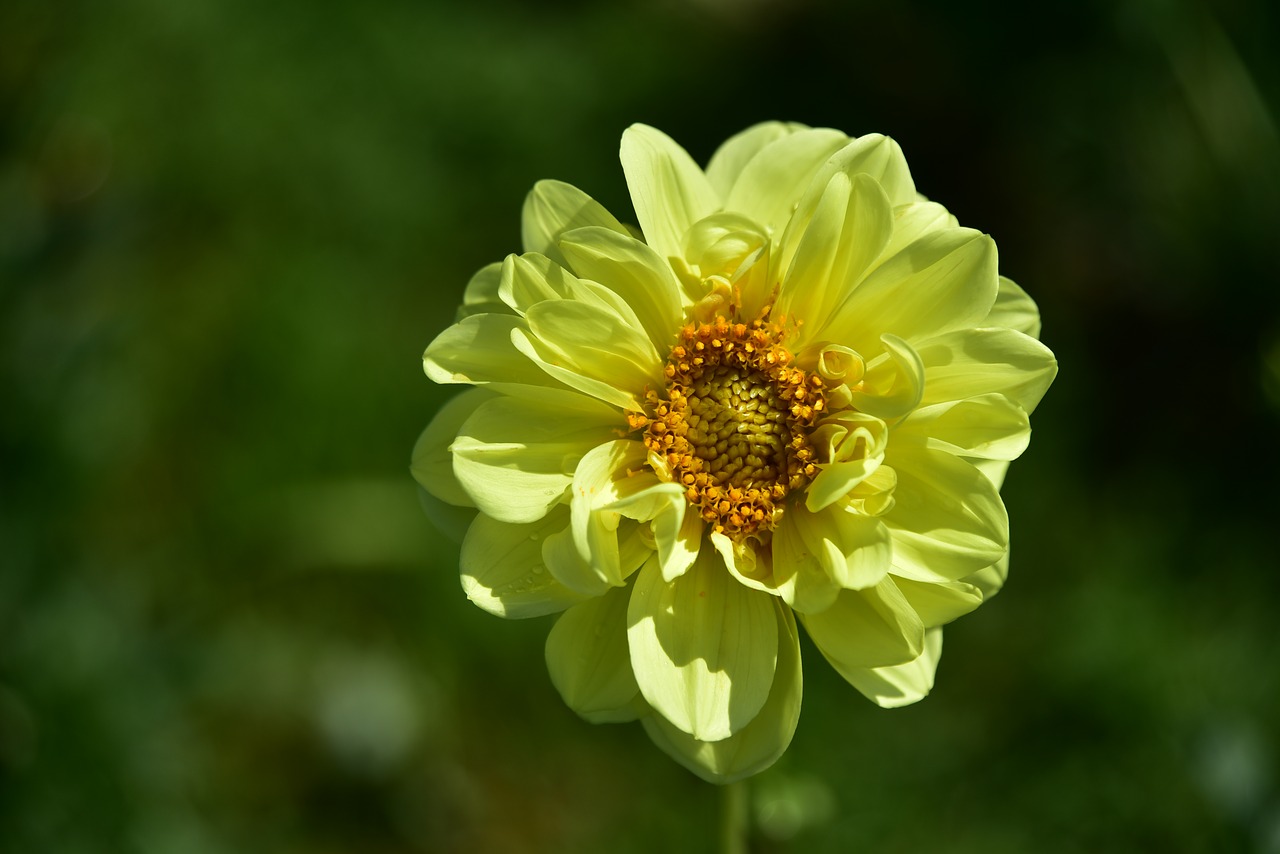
733	427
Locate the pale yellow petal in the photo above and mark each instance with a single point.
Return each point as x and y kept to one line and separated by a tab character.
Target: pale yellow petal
989	427
828	247
1014	309
635	272
479	350
481	294
731	158
771	183
554	207
944	281
503	571
515	456
867	628
970	362
757	745
588	658
704	648
939	602
947	519
591	349
432	463
669	191
901	684
817	555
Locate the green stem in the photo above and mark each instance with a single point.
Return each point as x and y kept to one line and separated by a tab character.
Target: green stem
733	818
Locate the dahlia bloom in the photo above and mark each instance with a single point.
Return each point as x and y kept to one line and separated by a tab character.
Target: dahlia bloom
791	396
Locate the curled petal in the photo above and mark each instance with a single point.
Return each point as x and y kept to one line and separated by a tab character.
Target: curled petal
853	443
704	648
481	294
758	744
893	384
587	556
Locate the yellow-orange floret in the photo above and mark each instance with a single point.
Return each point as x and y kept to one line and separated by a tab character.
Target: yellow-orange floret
734	422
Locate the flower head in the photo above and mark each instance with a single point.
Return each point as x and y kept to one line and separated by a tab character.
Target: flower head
792	397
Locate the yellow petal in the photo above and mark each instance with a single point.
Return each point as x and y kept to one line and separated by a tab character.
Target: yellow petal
947	519
588	659
970	362
703	647
669	191
867	628
554	207
757	745
515	456
902	684
503	571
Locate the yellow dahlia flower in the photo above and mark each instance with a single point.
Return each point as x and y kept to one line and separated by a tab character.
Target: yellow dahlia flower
791	396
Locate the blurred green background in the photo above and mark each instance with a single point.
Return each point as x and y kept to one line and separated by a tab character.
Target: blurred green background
227	232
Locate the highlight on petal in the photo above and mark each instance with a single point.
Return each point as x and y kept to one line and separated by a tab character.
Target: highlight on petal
554	207
757	745
588	659
771	183
938	603
879	158
1014	309
634	271
731	158
875	627
478	350
913	221
989	427
970	362
902	684
503	571
591	349
515	456
704	648
944	281
817	555
947	519
829	246
669	191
